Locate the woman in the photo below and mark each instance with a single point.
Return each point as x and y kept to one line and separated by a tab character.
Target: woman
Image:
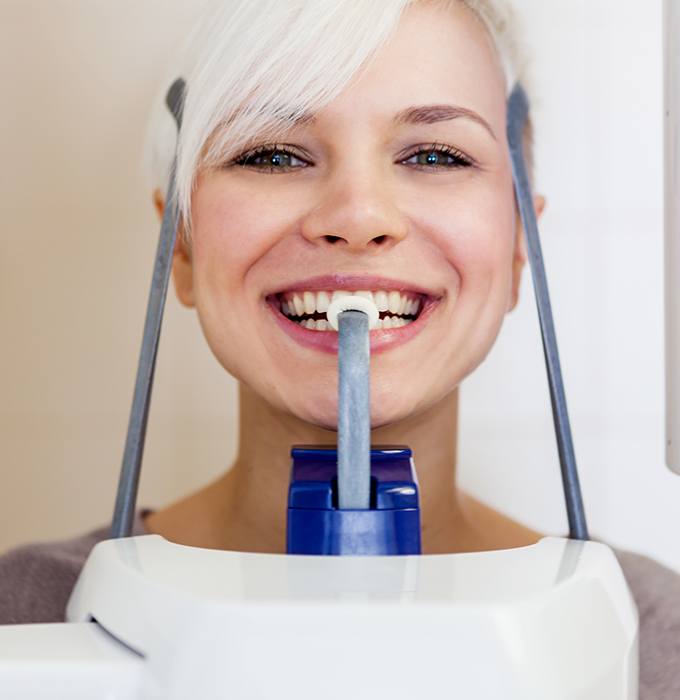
347	202
330	147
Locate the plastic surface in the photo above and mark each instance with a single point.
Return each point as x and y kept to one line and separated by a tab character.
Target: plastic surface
554	620
317	526
66	662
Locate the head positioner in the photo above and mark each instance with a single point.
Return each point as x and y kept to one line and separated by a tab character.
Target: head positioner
518	112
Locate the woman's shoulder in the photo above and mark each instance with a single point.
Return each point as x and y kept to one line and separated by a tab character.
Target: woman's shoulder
656	590
36	580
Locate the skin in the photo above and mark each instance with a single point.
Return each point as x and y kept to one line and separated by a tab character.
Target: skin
361	205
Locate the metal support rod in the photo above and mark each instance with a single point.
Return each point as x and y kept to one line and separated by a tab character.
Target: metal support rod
126	498
354	417
518	112
671	24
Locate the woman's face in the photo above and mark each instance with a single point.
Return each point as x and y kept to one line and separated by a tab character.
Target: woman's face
401	187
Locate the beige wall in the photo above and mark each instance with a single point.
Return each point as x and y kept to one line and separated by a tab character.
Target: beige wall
76	247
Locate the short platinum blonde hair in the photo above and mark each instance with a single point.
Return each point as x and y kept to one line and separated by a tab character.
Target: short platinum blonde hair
244	82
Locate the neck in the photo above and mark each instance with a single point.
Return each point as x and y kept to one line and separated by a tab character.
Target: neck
262	469
246	508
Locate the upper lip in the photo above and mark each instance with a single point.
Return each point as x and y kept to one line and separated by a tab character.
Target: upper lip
353	282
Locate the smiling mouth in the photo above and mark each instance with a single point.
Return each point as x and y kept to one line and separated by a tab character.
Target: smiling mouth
308	308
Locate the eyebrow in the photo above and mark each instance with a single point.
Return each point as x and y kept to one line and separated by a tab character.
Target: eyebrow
432	114
420	114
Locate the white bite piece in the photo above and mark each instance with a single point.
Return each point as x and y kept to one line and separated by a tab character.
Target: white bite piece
352	302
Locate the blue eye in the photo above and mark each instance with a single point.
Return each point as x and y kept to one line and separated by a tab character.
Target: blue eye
282	159
438	156
272	159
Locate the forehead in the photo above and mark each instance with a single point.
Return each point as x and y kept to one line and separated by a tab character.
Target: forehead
441	53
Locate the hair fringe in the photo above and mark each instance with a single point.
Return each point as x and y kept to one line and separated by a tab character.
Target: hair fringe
254	65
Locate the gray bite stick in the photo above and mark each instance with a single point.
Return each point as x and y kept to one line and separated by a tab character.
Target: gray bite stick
354	416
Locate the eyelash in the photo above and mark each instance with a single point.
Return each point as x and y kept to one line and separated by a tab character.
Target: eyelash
460	160
244	158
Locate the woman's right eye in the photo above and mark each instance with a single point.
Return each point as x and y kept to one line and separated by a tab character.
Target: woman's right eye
271	159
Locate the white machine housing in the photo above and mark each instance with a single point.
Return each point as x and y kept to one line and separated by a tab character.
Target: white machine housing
552	620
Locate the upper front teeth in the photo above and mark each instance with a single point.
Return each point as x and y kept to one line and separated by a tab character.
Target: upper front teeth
308	303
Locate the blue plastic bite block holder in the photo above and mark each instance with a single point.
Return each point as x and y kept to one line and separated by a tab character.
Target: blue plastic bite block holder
317	526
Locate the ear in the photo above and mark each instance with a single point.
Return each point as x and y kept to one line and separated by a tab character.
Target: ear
158	203
520	256
182	263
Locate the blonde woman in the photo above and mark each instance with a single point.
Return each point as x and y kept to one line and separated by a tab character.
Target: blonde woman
332	146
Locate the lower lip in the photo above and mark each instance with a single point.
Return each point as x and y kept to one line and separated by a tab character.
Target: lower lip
381	340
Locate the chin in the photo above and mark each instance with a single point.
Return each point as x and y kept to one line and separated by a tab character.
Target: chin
386	409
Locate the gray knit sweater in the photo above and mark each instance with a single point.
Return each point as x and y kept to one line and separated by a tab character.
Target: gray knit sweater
36	582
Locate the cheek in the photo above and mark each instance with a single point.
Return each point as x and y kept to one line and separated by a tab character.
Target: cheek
232	228
474	229
237	223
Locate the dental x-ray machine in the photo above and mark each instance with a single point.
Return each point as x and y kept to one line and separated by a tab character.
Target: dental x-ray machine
353	609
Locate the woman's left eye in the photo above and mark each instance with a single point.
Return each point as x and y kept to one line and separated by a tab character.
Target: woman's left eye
271	159
438	157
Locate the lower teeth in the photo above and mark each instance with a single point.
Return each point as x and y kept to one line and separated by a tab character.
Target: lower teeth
383	324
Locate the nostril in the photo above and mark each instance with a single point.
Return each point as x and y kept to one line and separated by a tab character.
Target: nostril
373	240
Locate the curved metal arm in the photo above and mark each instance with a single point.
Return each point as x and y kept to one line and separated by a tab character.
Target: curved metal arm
518	112
128	484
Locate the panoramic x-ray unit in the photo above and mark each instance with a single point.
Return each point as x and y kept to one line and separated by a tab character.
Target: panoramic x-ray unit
353	609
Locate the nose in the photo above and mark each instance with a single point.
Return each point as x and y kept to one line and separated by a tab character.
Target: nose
357	214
